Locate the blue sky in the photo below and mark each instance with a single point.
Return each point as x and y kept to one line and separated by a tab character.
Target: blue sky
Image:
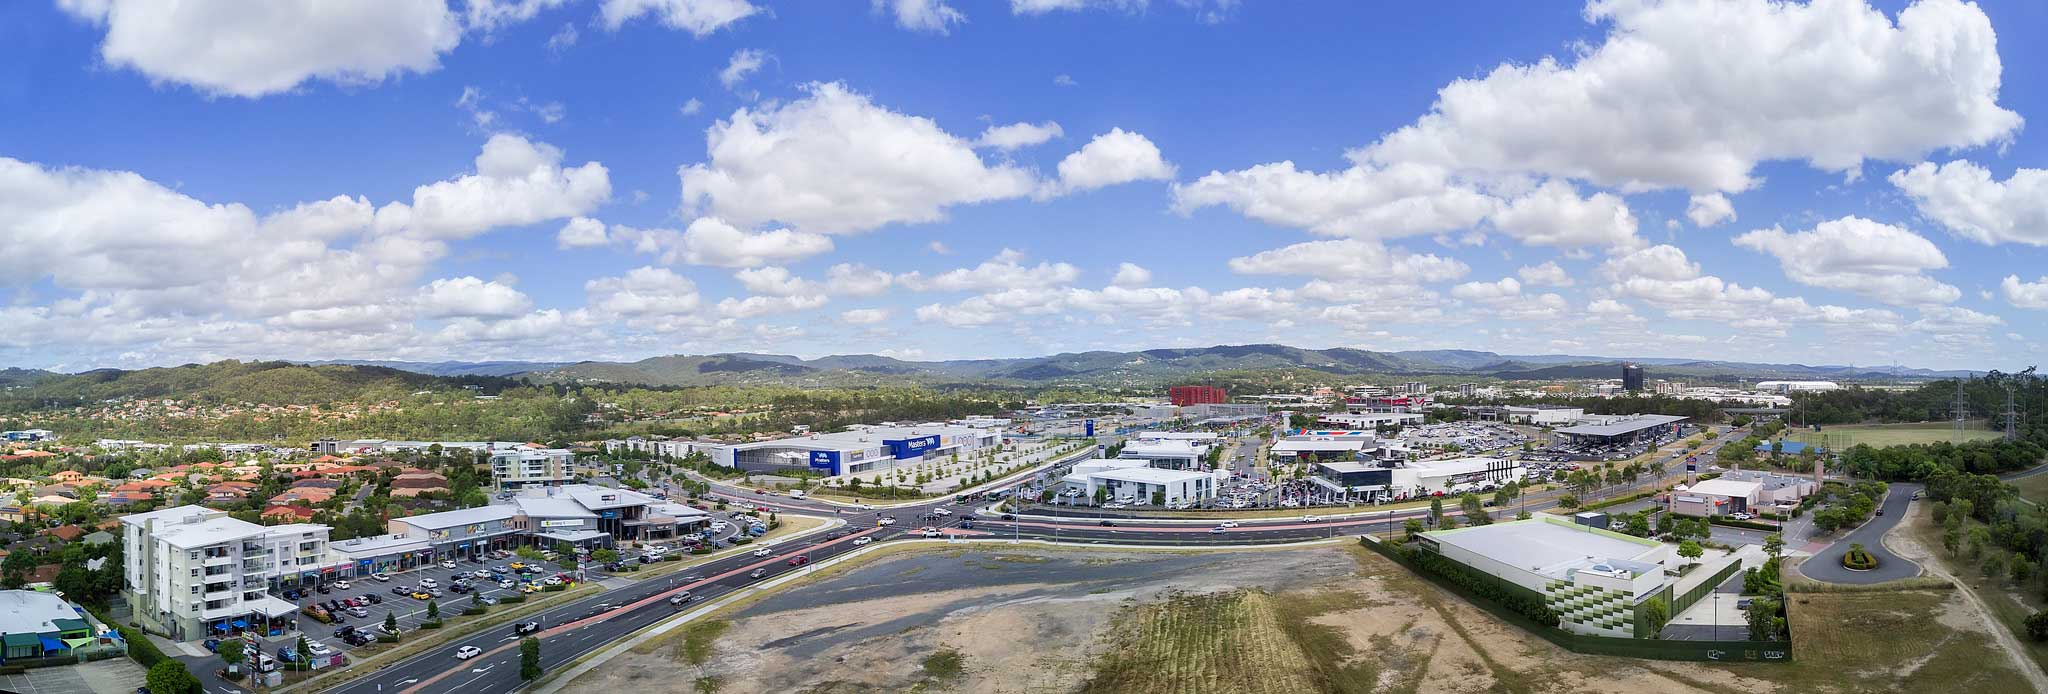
1827	182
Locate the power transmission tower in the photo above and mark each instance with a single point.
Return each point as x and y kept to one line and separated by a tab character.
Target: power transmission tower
1961	411
2012	415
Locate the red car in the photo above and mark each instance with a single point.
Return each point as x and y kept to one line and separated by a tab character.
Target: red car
799	560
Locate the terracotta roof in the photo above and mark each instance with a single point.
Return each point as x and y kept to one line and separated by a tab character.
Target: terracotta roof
67	533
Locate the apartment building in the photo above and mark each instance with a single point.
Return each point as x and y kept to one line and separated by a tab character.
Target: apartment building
527	467
192	571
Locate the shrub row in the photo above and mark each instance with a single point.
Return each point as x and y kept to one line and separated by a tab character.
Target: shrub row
1486	587
1861	561
1732	523
1617	500
510	599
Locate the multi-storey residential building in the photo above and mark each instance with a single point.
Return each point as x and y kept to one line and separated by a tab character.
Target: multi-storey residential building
193	571
526	467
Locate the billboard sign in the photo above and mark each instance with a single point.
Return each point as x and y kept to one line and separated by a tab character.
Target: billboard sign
572	523
1089	427
827	461
912	447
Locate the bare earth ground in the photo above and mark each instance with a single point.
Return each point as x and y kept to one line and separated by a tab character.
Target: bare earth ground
1335	619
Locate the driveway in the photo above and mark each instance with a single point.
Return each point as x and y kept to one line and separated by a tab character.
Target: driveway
1826	564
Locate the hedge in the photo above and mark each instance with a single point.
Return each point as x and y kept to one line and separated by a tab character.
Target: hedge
436	624
474	610
554	588
1861	561
1732	523
1487	588
509	599
140	647
386	638
1619	500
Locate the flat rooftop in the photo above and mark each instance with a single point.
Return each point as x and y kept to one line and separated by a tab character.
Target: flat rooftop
1625	426
868	437
466	516
1548	547
1151	475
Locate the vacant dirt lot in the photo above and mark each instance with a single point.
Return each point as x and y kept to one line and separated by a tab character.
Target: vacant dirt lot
1317	620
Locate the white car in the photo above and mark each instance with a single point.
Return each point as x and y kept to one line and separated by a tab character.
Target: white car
865	507
467	652
381	576
507	584
318	649
885	521
447	563
764	551
480	573
941	512
341	585
1740	516
718	526
429	583
933	532
1311	519
859	541
1227	524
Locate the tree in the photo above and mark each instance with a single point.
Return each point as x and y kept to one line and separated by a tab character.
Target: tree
1655	613
529	658
1436	511
14	569
605	556
305	651
433	610
231	653
1568	501
1690	550
1638	525
1412	527
1475	510
391	622
2037	626
1774	545
1764	622
168	676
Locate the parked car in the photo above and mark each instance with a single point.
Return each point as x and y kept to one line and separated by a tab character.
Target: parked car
506	583
212	645
417	595
381	576
467	652
358	612
401	590
428	583
318	649
344	585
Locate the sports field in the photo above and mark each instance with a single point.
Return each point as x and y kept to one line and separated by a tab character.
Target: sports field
1881	435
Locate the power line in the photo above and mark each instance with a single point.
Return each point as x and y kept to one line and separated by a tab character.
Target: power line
1961	412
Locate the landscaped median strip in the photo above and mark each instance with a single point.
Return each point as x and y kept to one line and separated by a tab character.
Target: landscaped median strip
441	637
602	616
561	676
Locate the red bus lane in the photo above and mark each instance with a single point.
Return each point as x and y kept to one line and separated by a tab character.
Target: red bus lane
608	614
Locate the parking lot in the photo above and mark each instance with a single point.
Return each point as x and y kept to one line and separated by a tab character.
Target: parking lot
111	675
410	611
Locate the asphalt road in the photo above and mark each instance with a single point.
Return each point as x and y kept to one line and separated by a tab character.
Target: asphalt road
1826	565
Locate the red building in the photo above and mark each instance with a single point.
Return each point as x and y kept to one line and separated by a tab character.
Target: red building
1183	396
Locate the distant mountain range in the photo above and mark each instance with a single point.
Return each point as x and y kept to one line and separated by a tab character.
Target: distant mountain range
344	379
1160	365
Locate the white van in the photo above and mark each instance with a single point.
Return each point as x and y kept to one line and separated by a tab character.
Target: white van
796	493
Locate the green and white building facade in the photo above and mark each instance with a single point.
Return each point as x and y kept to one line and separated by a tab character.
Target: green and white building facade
1596	580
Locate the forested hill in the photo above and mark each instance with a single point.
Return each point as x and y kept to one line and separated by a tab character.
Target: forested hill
264	382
